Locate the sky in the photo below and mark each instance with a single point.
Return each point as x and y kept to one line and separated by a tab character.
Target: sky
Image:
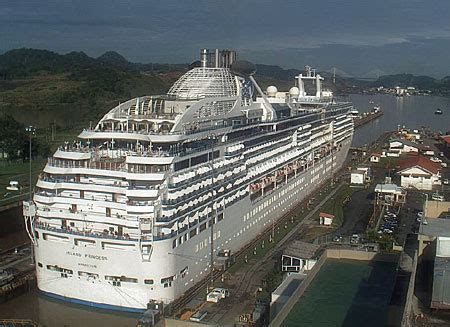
359	37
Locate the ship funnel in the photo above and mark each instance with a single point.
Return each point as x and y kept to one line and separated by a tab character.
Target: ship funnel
203	58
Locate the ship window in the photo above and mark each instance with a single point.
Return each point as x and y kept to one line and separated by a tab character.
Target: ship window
192	233
182	165
148	281
88	275
167	282
202	227
174	244
65	273
116	280
199	159
84	242
39	264
220	216
184	271
185	237
72	224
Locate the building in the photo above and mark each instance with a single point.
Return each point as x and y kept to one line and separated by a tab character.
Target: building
446	140
434	251
375	157
440	296
299	256
325	219
403	146
360	176
390	194
420	173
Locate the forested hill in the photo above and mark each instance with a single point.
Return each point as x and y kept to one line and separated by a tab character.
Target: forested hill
24	62
41	87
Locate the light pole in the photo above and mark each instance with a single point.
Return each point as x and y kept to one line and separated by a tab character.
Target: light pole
424	216
31	131
212	138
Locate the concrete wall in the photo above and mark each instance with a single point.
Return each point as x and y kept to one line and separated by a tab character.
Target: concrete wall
435	208
408	313
169	322
361	255
278	320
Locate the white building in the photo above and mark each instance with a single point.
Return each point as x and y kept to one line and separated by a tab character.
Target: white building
420	173
390	194
326	219
375	157
360	176
403	146
299	256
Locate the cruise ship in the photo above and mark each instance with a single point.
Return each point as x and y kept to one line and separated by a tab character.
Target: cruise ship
134	209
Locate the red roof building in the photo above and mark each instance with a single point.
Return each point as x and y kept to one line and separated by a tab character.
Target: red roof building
446	139
419	172
325	219
420	161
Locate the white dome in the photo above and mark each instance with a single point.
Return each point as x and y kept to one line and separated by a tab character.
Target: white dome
294	91
204	83
271	91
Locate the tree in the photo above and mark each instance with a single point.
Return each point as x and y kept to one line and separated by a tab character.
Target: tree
12	137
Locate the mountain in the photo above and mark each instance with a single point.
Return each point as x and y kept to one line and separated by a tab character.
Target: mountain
276	72
405	80
114	59
41	87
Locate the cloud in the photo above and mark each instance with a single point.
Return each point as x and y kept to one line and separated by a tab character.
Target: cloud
268	30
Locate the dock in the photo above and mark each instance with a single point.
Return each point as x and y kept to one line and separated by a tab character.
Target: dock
362	120
17	272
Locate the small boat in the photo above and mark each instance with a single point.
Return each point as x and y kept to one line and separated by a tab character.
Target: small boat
438	111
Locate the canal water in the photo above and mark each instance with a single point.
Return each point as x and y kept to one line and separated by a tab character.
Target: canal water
346	293
414	112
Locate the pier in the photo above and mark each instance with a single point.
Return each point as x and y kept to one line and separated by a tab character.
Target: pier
362	120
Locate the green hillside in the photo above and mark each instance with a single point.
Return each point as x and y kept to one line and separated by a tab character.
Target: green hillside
42	88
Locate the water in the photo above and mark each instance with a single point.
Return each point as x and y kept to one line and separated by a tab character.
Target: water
412	112
346	293
49	312
12	228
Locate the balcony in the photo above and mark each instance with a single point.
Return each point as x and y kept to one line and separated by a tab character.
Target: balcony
140	206
88	233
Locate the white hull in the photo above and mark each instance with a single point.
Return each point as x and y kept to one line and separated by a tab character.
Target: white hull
242	222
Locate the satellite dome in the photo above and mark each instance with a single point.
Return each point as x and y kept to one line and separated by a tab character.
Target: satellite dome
243	68
294	91
271	91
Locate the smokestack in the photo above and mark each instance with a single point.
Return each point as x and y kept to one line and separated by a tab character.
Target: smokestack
204	57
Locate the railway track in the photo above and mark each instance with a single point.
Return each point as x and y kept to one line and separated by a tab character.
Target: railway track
194	291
